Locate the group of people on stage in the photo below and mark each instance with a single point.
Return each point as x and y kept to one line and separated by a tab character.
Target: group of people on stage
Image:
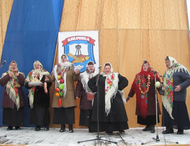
101	97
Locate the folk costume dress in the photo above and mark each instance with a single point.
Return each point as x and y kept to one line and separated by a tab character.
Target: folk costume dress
175	114
112	114
144	88
81	91
13	97
64	103
39	101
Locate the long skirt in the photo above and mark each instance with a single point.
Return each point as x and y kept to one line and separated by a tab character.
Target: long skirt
13	117
148	120
85	117
116	120
109	126
39	116
180	115
64	115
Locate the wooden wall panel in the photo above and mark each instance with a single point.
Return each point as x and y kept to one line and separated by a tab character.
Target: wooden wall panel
86	20
70	15
129	14
182	13
152	14
5	10
164	14
109	51
82	15
130	61
109	16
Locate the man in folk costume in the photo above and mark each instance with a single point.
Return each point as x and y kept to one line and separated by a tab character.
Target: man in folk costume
13	97
144	88
64	102
112	114
175	81
38	96
82	90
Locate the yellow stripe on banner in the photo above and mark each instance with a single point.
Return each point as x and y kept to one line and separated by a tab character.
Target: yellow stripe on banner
75	57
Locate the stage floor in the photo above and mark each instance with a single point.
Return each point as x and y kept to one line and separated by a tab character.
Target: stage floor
132	136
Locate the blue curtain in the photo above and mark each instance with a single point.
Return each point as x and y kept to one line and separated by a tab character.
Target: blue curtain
31	35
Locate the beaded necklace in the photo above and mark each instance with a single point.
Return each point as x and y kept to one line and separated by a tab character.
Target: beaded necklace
145	86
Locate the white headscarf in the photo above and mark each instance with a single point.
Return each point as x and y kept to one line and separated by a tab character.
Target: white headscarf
35	74
62	67
111	87
85	76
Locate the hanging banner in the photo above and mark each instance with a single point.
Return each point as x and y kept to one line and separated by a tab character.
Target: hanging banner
80	47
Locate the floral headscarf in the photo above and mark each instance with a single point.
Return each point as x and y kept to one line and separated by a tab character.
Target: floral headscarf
168	85
13	84
111	87
35	75
141	85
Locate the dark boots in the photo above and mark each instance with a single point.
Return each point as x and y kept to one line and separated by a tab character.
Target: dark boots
146	128
180	131
17	127
37	128
46	128
10	128
149	128
152	129
121	131
62	128
71	128
168	130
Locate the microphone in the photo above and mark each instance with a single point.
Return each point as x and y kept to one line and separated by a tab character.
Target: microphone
99	67
155	72
4	62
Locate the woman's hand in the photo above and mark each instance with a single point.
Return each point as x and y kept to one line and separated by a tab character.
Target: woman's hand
177	88
10	75
46	79
128	98
16	74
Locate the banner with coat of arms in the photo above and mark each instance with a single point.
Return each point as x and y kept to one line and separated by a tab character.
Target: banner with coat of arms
80	47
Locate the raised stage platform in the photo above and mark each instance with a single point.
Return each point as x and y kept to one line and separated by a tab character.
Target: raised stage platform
133	136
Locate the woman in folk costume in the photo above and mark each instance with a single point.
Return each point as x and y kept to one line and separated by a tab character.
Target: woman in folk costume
175	81
82	90
112	114
144	88
13	97
64	102
38	96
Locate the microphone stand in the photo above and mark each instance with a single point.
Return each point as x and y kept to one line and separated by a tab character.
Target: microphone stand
156	106
98	138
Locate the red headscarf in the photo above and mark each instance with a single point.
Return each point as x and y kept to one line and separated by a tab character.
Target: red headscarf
148	72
